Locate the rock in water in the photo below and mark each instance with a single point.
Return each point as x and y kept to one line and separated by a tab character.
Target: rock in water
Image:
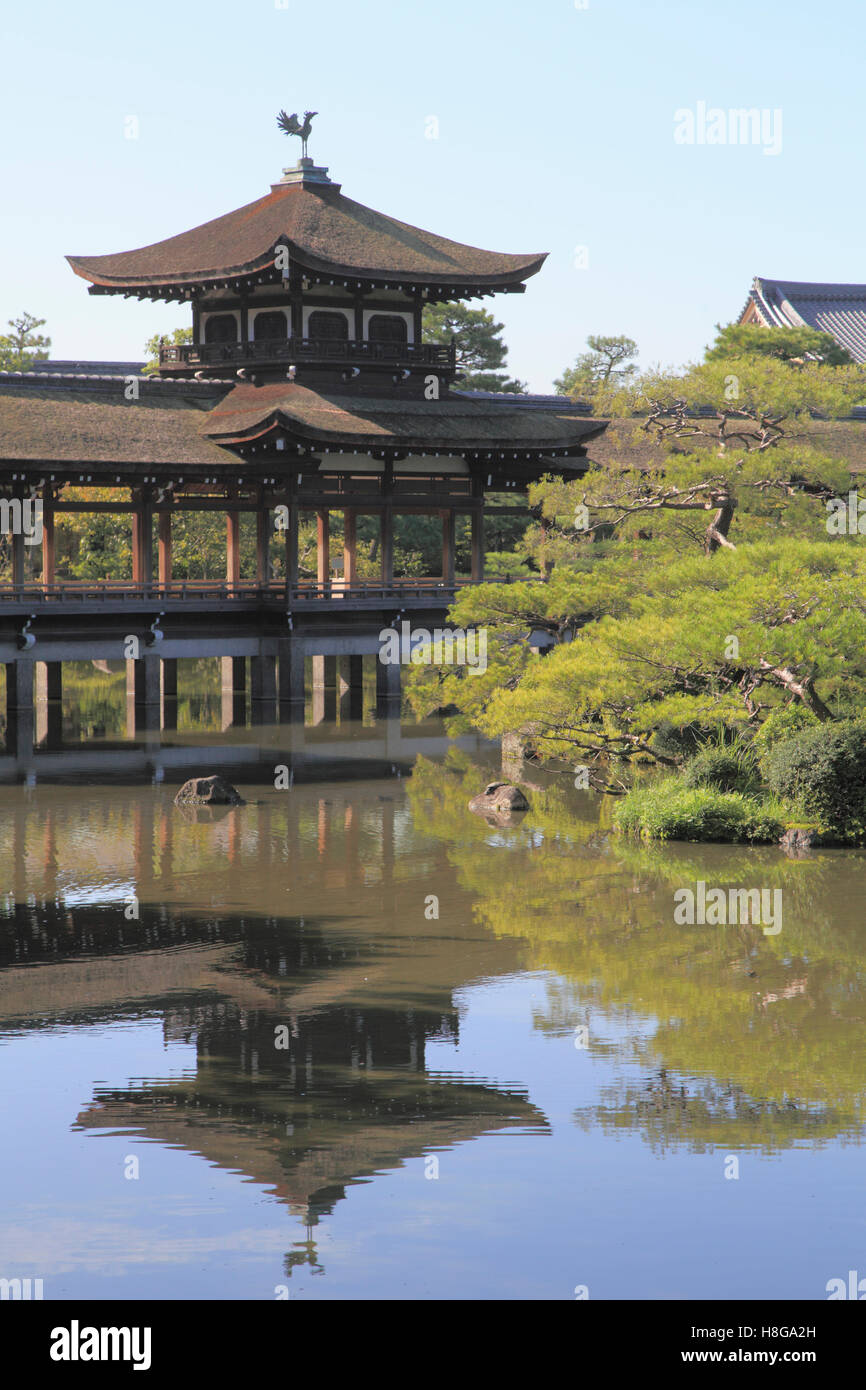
499	798
798	840
208	791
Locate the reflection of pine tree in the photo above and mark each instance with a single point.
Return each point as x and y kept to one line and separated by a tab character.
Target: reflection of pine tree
761	1033
704	1114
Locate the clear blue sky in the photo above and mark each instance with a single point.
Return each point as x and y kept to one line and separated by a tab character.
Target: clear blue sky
556	130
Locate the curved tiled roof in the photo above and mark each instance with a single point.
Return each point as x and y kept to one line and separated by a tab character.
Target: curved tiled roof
459	424
88	418
326	232
839	310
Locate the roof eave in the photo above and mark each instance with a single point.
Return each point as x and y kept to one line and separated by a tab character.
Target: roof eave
280	422
84	266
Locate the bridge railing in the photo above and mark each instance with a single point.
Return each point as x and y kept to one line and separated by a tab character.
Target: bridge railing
207	590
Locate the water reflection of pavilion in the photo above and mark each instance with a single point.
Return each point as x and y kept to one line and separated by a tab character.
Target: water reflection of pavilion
355	984
349	1097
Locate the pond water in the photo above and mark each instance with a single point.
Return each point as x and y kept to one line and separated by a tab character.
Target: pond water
352	1041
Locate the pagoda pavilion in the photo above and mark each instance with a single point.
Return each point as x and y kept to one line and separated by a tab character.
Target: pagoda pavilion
307	387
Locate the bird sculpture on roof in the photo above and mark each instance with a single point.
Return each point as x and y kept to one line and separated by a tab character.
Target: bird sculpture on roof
292	126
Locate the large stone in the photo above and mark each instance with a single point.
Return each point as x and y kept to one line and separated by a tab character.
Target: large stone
499	798
798	839
208	791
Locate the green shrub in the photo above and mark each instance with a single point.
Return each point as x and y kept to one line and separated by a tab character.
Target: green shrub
671	811
824	771
732	769
783	723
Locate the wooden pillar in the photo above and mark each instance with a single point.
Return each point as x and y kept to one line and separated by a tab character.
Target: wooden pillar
233	548
19	684
292	568
324	689
143	695
448	543
386	543
297	315
16	533
263	689
49	709
323	546
350	546
169	679
169	693
164	547
143	689
417	317
19	707
233	687
350	687
263	537
18	556
48	548
49	680
478	543
291	673
387	685
142	545
325	672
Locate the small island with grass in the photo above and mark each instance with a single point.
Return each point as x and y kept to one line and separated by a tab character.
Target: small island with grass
800	789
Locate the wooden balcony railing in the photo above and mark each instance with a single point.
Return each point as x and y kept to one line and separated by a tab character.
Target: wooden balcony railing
344	352
75	592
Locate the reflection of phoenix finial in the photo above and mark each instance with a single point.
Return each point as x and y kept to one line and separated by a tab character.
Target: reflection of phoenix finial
292	126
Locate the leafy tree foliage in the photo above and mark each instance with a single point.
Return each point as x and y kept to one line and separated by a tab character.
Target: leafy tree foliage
608	364
481	353
745	452
173	339
786	344
24	345
695	583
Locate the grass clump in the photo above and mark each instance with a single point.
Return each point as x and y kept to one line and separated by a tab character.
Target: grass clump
733	769
670	810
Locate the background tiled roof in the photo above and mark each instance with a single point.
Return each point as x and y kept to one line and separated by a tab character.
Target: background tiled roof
839	310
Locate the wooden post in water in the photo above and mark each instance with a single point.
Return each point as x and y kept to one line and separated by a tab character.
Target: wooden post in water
233	690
